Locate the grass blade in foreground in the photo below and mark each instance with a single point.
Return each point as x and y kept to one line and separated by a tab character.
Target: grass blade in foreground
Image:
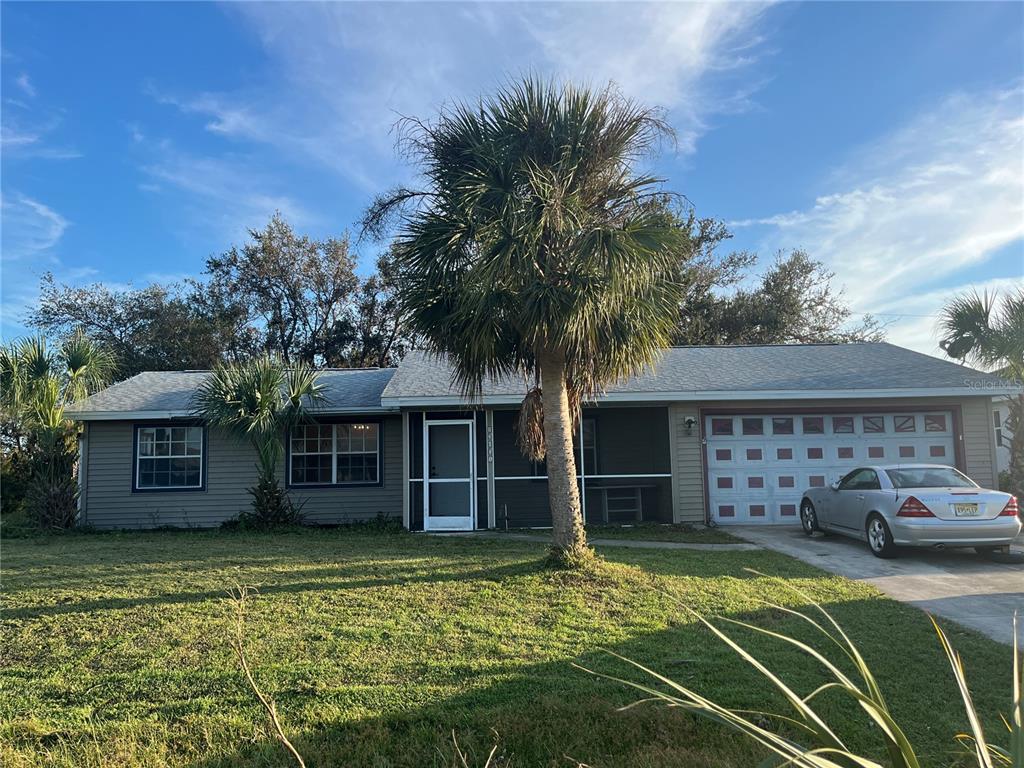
822	747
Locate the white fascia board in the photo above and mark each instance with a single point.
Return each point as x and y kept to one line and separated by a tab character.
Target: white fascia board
715	395
163	415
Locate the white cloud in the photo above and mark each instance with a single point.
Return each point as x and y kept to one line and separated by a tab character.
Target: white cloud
27	133
919	209
913	320
25	84
348	71
30	228
223	196
31	232
662	53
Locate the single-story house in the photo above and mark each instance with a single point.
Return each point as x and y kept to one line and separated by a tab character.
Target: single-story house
727	434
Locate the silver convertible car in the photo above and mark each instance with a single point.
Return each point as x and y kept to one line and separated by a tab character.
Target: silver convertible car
922	505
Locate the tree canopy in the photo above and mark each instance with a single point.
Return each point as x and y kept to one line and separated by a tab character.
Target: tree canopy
280	293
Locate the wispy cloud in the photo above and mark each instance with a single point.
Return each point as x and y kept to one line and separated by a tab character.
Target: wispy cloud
30	228
31	233
221	196
348	71
919	210
914	318
25	84
28	130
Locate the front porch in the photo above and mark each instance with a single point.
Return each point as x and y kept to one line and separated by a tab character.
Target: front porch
476	477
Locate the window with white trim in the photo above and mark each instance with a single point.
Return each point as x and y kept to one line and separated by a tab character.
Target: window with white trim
168	458
335	454
312	454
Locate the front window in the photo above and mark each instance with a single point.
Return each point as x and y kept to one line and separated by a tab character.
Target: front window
313	454
929	477
169	458
335	454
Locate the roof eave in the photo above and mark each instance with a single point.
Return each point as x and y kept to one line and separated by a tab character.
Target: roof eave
173	414
717	395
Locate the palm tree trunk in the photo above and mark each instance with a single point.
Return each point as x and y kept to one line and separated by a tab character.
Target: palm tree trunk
570	540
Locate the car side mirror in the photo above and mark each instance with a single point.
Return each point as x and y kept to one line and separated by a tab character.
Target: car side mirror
834	485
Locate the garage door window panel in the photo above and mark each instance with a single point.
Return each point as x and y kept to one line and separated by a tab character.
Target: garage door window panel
753	426
782	425
904	424
814	425
842	425
874	425
721	426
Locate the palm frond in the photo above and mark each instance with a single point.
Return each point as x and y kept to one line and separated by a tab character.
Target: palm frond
259	400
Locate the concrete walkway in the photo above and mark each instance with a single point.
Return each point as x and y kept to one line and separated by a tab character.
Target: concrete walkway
628	543
956	583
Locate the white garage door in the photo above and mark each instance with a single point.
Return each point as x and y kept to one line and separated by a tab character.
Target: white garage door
760	465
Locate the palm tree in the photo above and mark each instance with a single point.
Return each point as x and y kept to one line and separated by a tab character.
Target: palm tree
37	385
989	332
535	247
259	400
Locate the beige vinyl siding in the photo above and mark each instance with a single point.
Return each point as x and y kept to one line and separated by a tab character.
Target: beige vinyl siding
980	441
978	446
230	470
687	465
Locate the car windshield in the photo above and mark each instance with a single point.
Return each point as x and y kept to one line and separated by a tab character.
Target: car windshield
928	477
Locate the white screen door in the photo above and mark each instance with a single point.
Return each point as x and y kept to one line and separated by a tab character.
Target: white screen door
449	488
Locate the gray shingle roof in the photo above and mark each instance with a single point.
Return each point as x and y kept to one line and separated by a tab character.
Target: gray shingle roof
699	372
169	393
683	373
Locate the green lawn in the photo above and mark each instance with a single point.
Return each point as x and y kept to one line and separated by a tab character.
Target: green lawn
655	532
645	532
377	646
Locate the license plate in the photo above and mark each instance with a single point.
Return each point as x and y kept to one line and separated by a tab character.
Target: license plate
965	510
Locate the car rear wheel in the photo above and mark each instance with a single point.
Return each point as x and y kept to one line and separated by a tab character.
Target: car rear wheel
879	537
808	517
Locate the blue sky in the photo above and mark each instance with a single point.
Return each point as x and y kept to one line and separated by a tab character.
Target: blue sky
886	139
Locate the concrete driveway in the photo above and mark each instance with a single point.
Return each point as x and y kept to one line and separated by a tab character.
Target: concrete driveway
957	584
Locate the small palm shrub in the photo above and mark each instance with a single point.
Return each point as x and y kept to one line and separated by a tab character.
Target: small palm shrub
260	400
817	743
272	507
53	503
37	384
